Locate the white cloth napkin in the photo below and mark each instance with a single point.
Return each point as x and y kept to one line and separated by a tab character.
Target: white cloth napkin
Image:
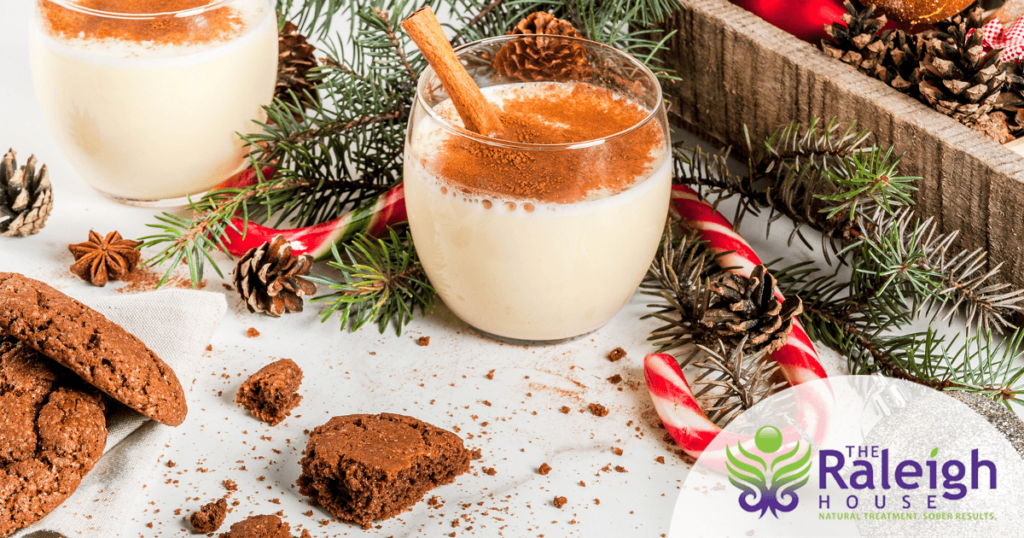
177	325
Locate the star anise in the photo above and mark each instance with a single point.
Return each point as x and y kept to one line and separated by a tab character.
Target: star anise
104	258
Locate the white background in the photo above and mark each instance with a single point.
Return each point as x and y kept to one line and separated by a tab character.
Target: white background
365	372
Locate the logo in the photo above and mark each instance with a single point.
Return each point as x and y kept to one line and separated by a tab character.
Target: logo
768	485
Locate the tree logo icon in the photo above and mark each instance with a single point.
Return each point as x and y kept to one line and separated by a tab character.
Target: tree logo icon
768	485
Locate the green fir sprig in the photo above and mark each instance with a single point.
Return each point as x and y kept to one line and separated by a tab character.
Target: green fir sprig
896	269
381	280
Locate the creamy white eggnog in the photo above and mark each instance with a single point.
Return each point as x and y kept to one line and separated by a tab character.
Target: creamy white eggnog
148	106
547	237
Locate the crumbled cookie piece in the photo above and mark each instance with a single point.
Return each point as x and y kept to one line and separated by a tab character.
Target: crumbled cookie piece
252	332
565	409
617	451
424	341
560	502
490	375
615	379
210	516
363	468
263	526
598	410
616	354
544	469
270	394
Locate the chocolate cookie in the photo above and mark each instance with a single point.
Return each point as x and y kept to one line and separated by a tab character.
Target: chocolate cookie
100	351
269	394
51	435
367	467
259	527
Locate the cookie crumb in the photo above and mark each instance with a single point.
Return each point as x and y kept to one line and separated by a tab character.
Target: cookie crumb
620	469
597	501
615	379
660	459
209	347
210	516
560	502
616	354
598	410
583	484
252	332
476	454
617	451
230	485
544	469
485	402
490	471
565	409
171	464
271	393
490	375
424	341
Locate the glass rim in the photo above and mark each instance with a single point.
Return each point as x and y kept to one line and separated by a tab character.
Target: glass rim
181	13
465	133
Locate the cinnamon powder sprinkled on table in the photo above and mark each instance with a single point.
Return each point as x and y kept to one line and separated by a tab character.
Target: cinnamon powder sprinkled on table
214	25
555	114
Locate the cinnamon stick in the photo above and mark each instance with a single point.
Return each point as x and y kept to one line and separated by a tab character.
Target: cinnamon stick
478	114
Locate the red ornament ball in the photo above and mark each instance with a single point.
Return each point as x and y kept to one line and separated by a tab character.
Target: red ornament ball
805	19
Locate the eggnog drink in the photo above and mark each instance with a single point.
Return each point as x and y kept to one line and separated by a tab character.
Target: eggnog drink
547	236
147	97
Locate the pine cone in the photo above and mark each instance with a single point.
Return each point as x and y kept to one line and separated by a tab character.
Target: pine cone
901	62
857	43
957	77
295	59
26	197
747	306
1011	98
270	281
542	58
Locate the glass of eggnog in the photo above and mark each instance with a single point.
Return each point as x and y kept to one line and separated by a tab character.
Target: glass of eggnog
147	98
542	233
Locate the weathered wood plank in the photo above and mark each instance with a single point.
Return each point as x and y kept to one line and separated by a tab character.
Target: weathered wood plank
739	70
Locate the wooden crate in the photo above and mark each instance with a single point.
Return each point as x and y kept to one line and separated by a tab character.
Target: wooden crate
738	70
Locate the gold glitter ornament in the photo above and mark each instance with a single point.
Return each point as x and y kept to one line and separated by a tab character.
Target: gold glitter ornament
911	12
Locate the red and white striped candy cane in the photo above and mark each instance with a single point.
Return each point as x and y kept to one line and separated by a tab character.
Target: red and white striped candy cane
372	218
798	361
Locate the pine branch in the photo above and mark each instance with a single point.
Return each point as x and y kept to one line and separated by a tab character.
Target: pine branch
381	281
834	182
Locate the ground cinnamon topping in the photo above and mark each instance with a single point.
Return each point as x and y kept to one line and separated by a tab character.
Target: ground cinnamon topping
555	114
214	25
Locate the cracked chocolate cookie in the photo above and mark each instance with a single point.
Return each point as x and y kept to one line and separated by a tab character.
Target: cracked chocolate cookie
98	350
270	394
367	467
51	435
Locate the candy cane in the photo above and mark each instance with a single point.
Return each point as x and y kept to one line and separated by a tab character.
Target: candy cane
798	361
372	218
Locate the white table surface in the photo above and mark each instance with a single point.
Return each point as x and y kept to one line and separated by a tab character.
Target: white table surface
366	372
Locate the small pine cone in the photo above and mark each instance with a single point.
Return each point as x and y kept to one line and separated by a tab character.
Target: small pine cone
295	58
26	197
856	41
742	306
542	58
270	281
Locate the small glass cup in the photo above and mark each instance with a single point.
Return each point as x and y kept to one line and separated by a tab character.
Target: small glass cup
530	271
148	107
